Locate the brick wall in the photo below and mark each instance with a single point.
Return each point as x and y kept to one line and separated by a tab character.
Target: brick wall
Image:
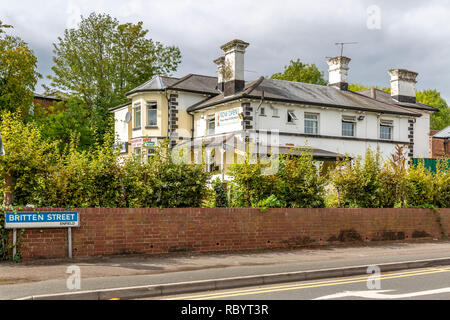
439	149
151	231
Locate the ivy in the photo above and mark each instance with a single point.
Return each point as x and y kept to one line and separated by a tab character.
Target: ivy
6	248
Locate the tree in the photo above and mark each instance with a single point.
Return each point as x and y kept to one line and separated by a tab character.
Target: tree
439	120
63	121
25	155
18	75
300	72
101	60
356	87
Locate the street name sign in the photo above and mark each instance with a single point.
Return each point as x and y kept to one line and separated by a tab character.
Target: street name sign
41	220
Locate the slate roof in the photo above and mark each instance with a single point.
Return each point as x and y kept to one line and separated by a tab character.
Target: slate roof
191	83
384	96
310	94
443	134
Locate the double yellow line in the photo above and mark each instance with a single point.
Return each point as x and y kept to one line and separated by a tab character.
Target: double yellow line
315	284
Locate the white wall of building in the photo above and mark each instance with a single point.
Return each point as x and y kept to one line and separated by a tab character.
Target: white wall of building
421	136
330	124
120	126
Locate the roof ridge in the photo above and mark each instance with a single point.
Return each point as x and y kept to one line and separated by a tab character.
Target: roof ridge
180	80
385	103
254	85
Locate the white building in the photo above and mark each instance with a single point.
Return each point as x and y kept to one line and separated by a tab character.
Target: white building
227	113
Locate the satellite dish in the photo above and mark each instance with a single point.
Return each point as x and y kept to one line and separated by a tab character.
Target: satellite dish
128	117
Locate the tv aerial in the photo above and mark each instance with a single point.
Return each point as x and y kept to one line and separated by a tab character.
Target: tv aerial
342	44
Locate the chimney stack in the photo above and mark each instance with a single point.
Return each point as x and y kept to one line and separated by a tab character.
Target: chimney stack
233	70
403	85
338	72
220	62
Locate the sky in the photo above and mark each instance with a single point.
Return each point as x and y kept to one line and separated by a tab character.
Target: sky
413	34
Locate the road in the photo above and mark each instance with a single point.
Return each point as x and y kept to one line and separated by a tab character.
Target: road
418	284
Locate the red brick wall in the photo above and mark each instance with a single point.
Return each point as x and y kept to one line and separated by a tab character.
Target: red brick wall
439	149
151	231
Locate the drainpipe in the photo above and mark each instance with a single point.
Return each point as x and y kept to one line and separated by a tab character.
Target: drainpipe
256	118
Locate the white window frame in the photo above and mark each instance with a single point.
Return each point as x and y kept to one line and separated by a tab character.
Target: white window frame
210	119
152	106
137	108
317	115
348	119
388	124
291	114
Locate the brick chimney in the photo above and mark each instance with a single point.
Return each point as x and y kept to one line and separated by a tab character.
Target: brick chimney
233	71
403	85
338	72
220	62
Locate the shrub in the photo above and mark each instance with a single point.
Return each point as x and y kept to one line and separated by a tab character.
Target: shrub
299	183
357	182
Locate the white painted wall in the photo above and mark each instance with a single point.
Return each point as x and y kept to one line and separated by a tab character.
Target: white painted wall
330	124
120	126
421	136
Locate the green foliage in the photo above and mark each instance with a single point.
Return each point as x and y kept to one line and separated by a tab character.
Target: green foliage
249	184
392	184
299	182
270	202
356	87
102	59
27	155
163	183
18	75
420	186
441	183
220	194
439	120
300	72
356	182
64	121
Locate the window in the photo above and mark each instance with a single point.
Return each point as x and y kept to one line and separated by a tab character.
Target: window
211	124
150	154
262	111
291	117
137	153
348	126
386	127
275	112
311	123
137	116
152	109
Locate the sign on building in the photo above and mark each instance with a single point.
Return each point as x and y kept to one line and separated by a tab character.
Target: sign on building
148	142
228	117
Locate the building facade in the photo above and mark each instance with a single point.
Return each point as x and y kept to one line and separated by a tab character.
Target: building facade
223	115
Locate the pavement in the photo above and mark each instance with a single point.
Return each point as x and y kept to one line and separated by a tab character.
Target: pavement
183	270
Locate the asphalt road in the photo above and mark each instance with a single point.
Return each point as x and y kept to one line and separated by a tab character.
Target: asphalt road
418	284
